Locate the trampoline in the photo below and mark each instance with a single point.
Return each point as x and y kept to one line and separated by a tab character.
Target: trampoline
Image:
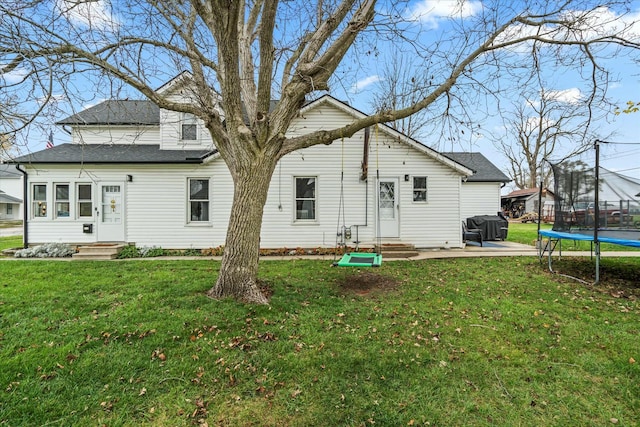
357	259
629	238
595	205
619	237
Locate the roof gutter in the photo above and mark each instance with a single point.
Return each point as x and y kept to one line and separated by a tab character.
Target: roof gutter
25	212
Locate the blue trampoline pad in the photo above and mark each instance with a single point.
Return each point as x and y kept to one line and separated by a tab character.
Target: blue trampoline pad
619	237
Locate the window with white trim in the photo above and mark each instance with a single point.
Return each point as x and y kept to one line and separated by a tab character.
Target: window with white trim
84	201
39	200
419	188
198	200
188	127
306	200
61	200
9	209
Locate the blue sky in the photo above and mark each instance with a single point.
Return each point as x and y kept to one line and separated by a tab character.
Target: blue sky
431	21
624	86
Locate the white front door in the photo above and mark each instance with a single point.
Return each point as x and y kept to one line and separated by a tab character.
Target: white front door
111	213
388	213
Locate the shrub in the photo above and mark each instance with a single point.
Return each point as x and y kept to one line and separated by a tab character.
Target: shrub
192	252
150	251
217	251
129	252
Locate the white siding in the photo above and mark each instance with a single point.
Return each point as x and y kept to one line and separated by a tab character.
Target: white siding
480	198
12	186
170	133
156	198
116	135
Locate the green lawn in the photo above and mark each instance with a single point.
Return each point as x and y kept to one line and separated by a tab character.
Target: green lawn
7	242
482	342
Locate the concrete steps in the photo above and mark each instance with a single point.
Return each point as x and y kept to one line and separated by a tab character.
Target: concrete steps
398	250
99	251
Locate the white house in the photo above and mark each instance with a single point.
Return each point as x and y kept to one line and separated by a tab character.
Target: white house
138	174
11	190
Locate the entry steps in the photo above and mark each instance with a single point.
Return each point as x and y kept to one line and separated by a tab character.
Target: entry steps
398	250
99	251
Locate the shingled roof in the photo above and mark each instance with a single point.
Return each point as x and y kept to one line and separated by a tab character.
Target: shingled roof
117	112
5	198
484	170
9	172
112	154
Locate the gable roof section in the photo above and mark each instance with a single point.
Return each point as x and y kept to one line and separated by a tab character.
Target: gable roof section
527	192
177	82
484	170
113	154
9	172
328	99
5	198
117	112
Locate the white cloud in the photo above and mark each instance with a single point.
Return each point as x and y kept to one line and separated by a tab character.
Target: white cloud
13	77
568	96
89	13
587	25
362	84
430	12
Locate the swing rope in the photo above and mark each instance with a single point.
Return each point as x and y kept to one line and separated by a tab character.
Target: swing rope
378	231
340	210
355	259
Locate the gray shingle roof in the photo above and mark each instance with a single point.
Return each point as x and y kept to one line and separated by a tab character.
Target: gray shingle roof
116	153
9	172
485	171
5	198
117	112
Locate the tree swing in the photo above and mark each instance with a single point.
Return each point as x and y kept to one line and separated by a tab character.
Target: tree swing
343	233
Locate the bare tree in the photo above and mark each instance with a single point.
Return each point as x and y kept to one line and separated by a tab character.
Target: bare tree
545	128
401	87
243	54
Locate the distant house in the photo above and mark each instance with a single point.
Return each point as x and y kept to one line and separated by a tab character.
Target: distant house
139	174
519	202
10	193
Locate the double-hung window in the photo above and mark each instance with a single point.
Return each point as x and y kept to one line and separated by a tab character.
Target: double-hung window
419	188
85	203
198	200
188	127
62	200
39	200
306	200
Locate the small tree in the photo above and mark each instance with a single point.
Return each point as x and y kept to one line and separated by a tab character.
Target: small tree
632	107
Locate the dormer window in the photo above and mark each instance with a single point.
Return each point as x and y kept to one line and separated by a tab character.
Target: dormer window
189	127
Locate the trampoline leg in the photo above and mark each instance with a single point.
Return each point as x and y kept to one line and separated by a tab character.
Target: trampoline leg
597	263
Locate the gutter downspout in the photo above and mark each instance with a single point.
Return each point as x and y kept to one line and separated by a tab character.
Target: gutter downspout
25	213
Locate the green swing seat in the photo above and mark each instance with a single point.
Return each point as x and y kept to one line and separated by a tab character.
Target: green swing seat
356	259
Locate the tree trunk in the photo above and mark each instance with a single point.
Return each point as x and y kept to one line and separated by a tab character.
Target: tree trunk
239	269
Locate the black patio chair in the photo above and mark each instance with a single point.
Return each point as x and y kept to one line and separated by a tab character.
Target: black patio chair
471	234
